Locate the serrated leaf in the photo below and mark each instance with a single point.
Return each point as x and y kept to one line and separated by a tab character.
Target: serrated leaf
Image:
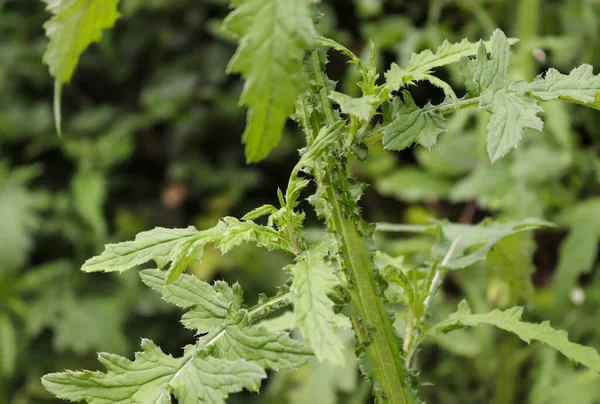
485	73
447	53
216	311
180	247
579	86
274	36
362	108
422	63
513	110
154	245
74	26
265	210
510	320
207	305
413	125
153	376
313	280
271	350
469	244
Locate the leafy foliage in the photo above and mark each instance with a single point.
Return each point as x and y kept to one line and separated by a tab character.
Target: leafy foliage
510	320
74	26
274	35
154	376
338	277
313	279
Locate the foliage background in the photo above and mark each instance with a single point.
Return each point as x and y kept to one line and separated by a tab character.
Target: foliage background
152	138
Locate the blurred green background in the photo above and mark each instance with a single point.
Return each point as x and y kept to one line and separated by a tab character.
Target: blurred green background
152	138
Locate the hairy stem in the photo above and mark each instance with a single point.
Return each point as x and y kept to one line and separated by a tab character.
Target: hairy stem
374	327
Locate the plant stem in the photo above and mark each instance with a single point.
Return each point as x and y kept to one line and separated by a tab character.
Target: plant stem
374	329
382	343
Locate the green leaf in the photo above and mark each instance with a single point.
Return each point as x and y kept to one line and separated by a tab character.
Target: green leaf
513	110
421	64
412	124
313	280
468	244
74	26
322	381
447	53
19	218
510	320
578	251
362	108
90	324
265	210
8	346
274	36
271	350
579	86
487	73
511	261
154	245
89	193
216	311
153	376
412	184
207	305
180	247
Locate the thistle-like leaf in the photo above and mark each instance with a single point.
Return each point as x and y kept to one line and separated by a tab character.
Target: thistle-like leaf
513	110
153	376
274	35
154	245
270	349
469	244
413	124
207	305
580	86
361	108
180	247
483	72
510	320
216	311
74	26
313	279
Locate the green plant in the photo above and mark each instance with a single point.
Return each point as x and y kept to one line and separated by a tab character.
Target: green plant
340	281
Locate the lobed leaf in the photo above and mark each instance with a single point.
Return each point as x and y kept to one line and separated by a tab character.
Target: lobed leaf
469	244
361	108
510	320
483	72
270	349
216	311
313	280
74	26
580	86
513	110
207	305
412	124
153	376
154	245
180	247
274	36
